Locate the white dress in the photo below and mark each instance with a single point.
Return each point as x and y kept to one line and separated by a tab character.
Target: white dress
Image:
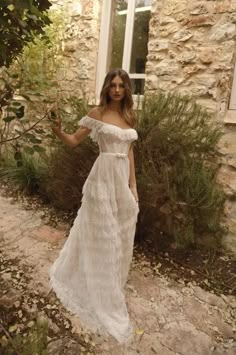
91	271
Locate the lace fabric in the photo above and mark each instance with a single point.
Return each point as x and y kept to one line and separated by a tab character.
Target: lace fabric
92	268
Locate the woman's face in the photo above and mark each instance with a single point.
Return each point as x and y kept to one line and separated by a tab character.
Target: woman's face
117	89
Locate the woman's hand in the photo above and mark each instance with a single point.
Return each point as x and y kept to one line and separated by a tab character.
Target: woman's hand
56	125
55	122
134	192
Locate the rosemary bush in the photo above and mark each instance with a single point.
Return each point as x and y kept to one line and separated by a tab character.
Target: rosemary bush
177	164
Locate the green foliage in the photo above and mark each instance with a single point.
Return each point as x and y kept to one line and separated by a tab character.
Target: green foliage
29	175
32	167
18	129
34	343
70	110
67	173
69	168
41	58
176	169
19	22
33	73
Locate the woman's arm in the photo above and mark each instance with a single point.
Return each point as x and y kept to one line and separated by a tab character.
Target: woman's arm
72	140
132	178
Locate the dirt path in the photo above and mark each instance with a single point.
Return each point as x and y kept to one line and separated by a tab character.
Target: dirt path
168	317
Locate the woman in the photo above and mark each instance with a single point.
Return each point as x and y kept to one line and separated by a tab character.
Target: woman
91	271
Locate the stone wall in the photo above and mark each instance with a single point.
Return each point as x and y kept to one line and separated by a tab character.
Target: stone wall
192	49
77	74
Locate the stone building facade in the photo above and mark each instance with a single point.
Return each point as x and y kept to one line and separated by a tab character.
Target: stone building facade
77	75
191	49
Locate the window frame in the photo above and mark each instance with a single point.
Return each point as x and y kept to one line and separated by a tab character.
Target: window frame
105	30
232	104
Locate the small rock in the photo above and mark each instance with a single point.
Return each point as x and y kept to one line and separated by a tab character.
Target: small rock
17	304
8	299
12	328
30	324
53	326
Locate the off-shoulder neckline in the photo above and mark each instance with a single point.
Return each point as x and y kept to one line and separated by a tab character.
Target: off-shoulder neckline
111	124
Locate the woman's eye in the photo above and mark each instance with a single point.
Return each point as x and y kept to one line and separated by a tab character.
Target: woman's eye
121	86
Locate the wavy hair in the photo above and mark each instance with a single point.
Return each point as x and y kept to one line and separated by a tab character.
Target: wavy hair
127	102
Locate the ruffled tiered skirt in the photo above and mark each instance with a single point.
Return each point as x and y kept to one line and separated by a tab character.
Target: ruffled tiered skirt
92	268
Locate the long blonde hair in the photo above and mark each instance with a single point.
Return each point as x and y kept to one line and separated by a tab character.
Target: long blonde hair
127	102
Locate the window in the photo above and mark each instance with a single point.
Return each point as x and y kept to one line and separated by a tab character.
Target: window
232	105
124	39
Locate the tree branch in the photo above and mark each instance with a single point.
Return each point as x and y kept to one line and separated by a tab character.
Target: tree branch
27	130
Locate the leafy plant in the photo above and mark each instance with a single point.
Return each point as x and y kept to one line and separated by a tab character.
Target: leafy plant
33	343
19	22
67	173
176	169
41	59
69	168
36	164
29	175
34	77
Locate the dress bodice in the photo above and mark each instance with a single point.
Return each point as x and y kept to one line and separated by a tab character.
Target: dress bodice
110	138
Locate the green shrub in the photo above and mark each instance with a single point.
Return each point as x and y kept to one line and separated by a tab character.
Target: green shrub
41	58
33	343
28	176
176	161
68	170
40	170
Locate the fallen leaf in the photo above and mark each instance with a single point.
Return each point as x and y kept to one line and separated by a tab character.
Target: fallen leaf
139	331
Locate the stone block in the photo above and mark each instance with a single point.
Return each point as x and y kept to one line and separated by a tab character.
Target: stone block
169	29
182	36
200	21
197	8
176	9
206	80
227	178
166	20
167	67
220	33
227	144
206	55
222	6
158	45
211	106
187	57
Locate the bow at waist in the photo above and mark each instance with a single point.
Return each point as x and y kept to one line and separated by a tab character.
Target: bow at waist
119	155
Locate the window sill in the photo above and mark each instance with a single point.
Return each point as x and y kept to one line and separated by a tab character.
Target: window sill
230	117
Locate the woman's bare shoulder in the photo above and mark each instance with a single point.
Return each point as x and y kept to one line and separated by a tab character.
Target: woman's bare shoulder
95	113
